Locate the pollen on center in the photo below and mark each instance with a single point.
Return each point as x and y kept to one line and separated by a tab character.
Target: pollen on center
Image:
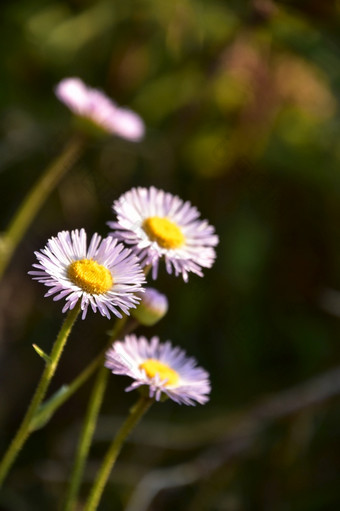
165	232
90	276
152	367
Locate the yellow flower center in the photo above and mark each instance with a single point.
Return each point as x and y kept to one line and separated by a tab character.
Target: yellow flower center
166	233
91	276
153	367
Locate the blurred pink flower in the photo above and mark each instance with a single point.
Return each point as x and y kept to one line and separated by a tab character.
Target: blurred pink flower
94	106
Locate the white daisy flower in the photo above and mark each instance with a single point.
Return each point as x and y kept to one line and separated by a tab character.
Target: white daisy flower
105	275
94	106
160	225
161	367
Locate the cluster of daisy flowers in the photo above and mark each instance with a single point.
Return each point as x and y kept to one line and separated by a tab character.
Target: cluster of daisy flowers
107	274
108	277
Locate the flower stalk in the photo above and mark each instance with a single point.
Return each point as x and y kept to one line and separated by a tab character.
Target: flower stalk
36	197
87	432
25	428
46	410
89	424
136	413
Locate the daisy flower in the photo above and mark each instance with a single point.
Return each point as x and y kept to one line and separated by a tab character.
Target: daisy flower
161	367
94	106
105	275
160	225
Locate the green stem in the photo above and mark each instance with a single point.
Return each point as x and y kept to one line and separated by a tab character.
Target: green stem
47	409
136	414
90	424
36	197
84	444
50	368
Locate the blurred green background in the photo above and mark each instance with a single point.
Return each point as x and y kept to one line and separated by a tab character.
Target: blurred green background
241	104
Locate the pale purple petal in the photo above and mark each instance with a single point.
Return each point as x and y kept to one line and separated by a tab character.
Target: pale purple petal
125	358
138	204
67	247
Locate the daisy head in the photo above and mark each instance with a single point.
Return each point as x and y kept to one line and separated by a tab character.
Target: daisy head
161	367
93	106
104	275
160	225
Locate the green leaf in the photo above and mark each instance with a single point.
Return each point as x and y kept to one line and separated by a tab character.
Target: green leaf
47	409
42	354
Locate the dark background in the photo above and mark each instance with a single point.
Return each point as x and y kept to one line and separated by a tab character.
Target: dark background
241	104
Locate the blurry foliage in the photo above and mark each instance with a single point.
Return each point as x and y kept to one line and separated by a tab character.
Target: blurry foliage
241	103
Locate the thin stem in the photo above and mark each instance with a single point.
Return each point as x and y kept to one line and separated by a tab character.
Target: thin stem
84	444
47	409
136	414
89	424
50	368
36	197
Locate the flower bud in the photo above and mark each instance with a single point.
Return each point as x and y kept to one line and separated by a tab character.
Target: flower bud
152	307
